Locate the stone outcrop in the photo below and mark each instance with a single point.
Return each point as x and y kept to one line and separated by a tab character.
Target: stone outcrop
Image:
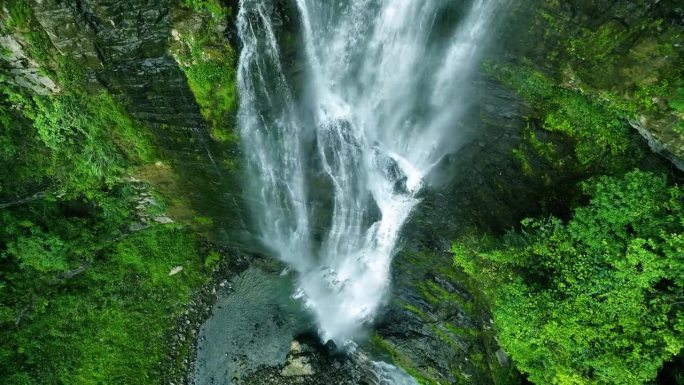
631	51
123	47
23	70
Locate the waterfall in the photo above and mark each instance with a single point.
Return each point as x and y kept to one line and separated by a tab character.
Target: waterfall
339	140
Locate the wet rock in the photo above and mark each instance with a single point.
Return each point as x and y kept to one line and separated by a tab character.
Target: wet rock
123	48
662	139
310	362
252	326
434	321
502	357
138	226
24	71
163	220
297	366
183	339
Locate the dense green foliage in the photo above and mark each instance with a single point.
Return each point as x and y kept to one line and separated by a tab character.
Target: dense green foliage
625	59
595	297
85	291
105	325
597	126
214	7
83	300
75	147
596	300
208	62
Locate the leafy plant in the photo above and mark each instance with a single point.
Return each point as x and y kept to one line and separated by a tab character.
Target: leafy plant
598	127
596	300
214	7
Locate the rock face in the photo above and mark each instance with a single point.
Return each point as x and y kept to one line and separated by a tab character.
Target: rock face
257	334
253	323
311	363
123	47
297	362
434	324
661	138
617	51
24	71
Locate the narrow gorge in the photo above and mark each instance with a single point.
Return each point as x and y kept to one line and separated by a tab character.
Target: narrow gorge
375	192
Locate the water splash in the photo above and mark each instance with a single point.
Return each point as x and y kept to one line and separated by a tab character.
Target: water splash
387	374
338	164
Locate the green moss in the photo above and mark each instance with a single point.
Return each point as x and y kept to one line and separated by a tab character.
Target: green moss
212	81
647	97
597	125
208	61
90	137
599	73
214	7
116	328
524	161
402	361
679	128
212	260
84	140
20	22
595	48
590	300
676	101
19	14
415	310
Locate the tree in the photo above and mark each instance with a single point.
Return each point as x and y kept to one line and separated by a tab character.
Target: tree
596	300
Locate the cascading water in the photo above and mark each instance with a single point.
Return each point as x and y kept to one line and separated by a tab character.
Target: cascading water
339	157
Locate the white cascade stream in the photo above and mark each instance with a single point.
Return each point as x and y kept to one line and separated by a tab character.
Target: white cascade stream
340	142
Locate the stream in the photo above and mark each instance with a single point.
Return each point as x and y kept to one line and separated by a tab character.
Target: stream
342	134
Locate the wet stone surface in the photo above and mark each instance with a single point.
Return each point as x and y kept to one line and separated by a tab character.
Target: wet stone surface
252	324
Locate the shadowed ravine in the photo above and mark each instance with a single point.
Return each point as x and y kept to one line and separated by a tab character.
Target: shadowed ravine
340	159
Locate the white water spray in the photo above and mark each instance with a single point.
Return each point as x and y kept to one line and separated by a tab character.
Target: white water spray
340	146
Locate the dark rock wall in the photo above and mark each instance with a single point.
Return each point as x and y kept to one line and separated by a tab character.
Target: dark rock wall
616	47
435	323
123	46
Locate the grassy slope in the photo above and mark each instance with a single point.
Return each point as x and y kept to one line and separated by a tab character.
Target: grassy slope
83	299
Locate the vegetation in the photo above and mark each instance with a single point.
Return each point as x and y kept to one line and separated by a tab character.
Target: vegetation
597	127
596	300
595	296
212	81
89	285
629	60
86	294
83	300
208	61
214	7
106	324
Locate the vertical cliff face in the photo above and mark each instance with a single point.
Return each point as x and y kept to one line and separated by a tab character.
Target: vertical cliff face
125	48
625	54
620	59
171	67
